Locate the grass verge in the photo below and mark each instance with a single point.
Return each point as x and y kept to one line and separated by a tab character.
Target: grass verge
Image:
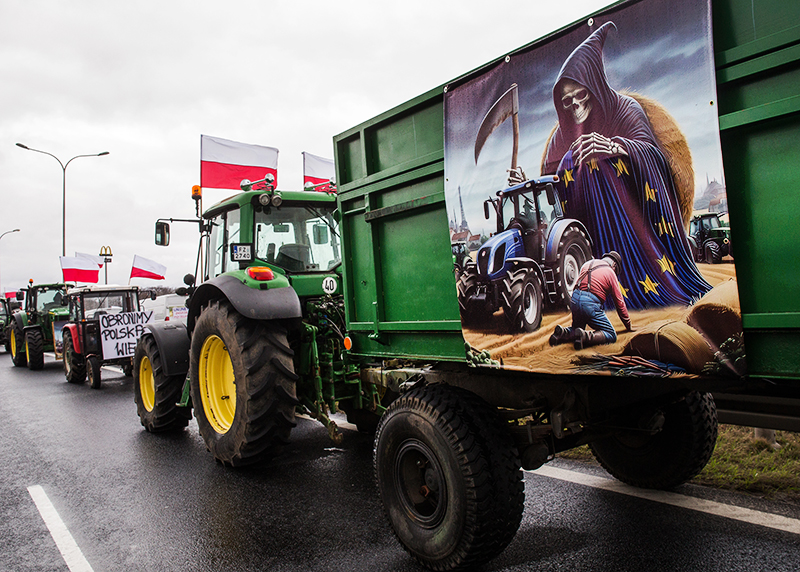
743	463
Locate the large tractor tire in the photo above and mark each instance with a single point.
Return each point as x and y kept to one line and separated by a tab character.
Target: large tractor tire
74	363
34	349
573	251
522	300
449	477
156	394
675	454
243	385
712	253
93	365
18	354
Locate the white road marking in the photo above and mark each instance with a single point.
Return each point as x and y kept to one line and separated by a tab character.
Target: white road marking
66	544
775	521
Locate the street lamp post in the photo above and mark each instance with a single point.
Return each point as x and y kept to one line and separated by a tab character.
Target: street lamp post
1	236
63	190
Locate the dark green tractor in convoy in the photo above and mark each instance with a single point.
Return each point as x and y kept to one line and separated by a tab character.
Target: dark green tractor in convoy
37	329
265	329
709	238
7	308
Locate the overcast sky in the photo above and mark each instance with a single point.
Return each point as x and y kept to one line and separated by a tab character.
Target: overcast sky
144	79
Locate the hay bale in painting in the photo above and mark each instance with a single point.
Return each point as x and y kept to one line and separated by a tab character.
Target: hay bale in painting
671	342
717	316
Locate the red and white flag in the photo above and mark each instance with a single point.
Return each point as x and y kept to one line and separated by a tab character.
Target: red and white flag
144	268
317	170
99	260
224	163
77	269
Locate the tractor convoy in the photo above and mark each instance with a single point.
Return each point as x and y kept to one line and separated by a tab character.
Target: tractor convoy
438	338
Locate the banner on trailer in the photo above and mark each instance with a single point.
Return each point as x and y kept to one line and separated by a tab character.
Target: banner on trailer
587	200
120	332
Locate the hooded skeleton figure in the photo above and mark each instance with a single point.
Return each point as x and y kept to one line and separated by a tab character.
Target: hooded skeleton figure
618	182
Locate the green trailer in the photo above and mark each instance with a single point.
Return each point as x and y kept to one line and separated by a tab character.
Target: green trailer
494	194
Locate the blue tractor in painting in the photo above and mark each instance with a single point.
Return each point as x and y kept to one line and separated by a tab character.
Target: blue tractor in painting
528	263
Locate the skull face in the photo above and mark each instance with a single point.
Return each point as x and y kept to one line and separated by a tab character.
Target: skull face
576	99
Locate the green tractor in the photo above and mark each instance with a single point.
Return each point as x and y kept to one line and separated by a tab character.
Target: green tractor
265	329
37	329
709	238
7	308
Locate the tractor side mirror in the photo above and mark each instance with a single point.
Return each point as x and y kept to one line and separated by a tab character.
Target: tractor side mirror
486	210
551	194
20	295
162	233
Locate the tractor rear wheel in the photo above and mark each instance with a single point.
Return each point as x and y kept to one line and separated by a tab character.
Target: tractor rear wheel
74	363
34	349
522	300
93	371
18	353
573	251
675	454
243	385
448	476
156	394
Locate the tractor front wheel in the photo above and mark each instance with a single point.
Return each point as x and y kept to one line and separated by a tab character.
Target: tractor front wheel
573	251
74	363
93	371
522	300
243	385
156	394
18	353
34	349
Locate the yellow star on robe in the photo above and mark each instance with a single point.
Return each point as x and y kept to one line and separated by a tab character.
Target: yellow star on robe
622	289
593	166
649	285
620	167
666	265
665	227
568	177
650	192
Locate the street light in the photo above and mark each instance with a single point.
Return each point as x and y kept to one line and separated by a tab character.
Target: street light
63	190
1	236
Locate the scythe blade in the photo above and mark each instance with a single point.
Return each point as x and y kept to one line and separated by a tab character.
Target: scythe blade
505	107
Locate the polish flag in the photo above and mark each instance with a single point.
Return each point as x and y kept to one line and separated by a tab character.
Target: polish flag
77	269
318	170
144	268
99	260
224	163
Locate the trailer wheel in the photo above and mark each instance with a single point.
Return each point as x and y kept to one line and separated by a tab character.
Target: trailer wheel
18	353
573	251
157	395
74	364
522	300
670	457
93	371
34	349
448	476
243	385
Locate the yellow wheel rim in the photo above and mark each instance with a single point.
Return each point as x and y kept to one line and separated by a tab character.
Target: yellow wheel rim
217	384
147	384
13	343
27	350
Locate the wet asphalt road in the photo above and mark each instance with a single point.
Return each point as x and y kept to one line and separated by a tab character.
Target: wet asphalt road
134	501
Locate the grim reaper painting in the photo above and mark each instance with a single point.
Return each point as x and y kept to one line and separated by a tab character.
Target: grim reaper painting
576	169
630	203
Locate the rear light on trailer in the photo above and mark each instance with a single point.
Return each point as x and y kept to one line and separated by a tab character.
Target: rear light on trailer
348	343
262	273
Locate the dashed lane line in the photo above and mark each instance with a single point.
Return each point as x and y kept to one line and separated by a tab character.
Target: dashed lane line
769	520
69	549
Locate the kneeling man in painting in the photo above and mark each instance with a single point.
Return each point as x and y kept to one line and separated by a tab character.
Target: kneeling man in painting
596	282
